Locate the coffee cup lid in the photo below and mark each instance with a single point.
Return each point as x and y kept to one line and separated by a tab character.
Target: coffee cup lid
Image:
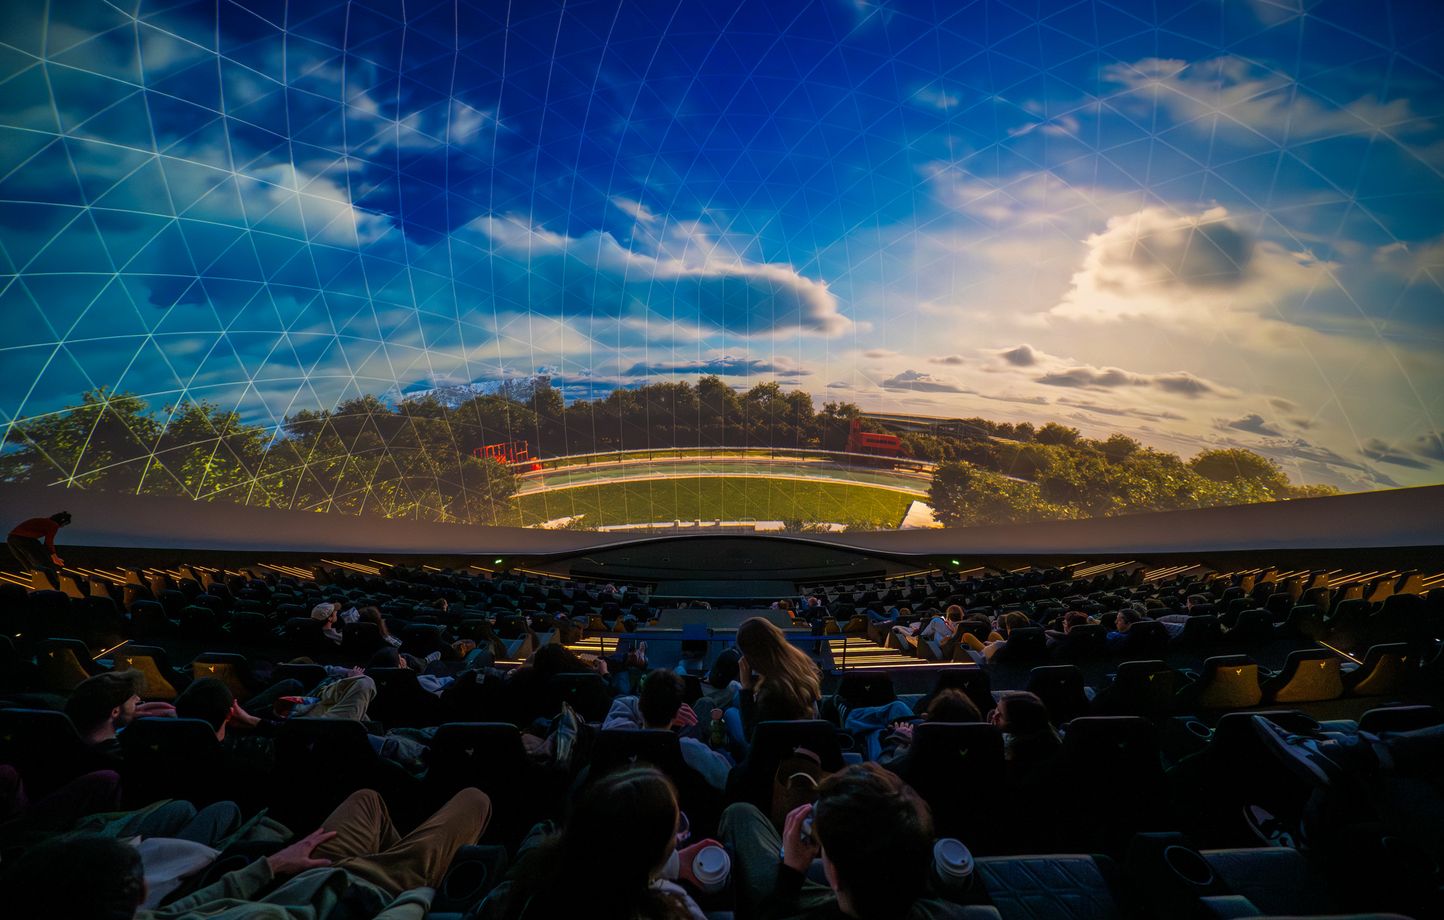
711	862
953	855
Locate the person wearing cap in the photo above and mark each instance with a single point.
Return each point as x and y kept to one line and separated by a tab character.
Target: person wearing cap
101	706
33	555
326	613
874	835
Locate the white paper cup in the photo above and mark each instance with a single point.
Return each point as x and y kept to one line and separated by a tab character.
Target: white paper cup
952	861
712	867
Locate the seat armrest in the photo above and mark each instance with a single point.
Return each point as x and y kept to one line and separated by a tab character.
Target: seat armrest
1227	906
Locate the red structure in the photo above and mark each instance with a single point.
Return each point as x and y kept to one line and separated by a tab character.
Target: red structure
867	442
508	452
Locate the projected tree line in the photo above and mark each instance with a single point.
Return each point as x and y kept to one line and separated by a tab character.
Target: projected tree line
416	458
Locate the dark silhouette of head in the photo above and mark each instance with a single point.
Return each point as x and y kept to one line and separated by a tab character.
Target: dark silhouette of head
877	834
661	697
207	699
80	878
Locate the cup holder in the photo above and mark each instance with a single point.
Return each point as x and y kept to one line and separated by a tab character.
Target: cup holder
466	881
1199	729
1188	865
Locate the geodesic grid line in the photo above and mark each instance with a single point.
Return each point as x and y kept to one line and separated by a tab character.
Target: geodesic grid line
426	352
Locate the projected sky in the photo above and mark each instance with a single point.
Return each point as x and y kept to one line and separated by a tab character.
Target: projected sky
1202	225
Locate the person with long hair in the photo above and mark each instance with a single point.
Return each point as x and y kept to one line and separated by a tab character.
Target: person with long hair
607	862
778	680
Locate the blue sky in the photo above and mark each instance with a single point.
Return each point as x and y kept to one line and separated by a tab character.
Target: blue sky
1208	224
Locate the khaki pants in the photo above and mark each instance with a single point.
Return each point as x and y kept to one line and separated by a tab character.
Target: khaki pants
367	844
347	698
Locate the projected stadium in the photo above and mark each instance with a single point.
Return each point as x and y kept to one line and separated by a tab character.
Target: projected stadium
784	266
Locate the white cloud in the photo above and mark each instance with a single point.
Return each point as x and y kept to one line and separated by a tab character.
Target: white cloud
947	359
1232	93
935	97
317	206
452	122
1252	423
1024	355
1184	268
1087	377
923	382
746	298
636	209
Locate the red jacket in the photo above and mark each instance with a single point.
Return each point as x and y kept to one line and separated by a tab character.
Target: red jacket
35	528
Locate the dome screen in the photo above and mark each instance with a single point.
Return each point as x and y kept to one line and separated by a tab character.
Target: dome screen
813	265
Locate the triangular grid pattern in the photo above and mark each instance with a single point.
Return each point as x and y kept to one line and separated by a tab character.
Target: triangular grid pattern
239	235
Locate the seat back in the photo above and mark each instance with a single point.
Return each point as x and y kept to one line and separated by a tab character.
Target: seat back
486	755
302	634
227	667
1144	640
956	768
1308	676
1068	887
1119	746
1140	688
1124	749
616	749
1384	670
147	618
975	683
45	747
1227	682
1024	644
751	780
308	675
1087	641
172	759
1252	626
1304	621
1060	687
1399	718
586	692
1200	630
323	761
158	681
866	690
400	701
421	639
63	663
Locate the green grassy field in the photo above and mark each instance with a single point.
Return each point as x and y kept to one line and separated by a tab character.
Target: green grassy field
725	498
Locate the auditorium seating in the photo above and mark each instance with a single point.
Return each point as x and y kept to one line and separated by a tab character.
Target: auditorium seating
1156	728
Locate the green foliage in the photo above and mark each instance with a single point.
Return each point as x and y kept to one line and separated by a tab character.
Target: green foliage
963	495
1054	433
416	459
1236	464
364	457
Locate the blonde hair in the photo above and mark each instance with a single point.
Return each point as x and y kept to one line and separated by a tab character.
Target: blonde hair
780	669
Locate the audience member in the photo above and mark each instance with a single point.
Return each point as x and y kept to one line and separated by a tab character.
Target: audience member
326	614
660	706
1030	742
779	681
873	834
103	705
610	861
33	555
356	865
373	616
